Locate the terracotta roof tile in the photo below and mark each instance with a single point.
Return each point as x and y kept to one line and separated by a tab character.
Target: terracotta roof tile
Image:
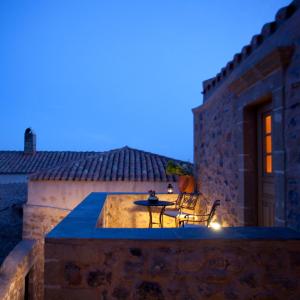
124	164
17	162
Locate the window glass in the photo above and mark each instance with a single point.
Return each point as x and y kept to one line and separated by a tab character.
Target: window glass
268	124
268	144
269	164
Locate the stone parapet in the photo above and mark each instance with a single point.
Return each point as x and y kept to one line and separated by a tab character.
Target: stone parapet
17	275
86	262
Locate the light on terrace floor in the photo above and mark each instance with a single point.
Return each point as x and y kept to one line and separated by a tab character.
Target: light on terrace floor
215	226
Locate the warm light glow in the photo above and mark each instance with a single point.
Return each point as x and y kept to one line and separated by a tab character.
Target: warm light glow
268	124
269	164
215	226
170	188
268	143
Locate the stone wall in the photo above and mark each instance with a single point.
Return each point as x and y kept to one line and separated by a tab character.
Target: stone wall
224	126
17	273
50	201
216	157
292	141
83	261
171	269
120	211
37	222
68	194
12	197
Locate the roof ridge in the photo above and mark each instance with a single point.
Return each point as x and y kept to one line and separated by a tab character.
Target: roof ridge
94	152
150	153
282	15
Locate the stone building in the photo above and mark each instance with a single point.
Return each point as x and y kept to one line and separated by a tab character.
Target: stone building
61	179
15	168
53	193
246	153
250	121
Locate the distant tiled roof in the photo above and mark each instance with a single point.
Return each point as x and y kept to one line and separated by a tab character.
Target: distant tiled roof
119	164
124	164
17	162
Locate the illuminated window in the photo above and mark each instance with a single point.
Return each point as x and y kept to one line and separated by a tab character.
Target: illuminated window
268	124
268	144
269	164
267	136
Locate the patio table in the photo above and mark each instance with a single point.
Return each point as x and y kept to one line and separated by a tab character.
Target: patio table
150	204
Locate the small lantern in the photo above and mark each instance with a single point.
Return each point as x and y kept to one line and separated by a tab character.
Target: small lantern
170	188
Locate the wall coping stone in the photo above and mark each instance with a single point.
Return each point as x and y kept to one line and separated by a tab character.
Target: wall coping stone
82	222
18	263
16	257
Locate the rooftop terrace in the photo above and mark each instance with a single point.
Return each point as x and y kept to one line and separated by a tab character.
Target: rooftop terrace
85	257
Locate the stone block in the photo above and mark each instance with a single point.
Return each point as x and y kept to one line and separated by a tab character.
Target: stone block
53	272
149	290
74	294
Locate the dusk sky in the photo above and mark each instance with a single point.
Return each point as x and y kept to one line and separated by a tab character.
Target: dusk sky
98	75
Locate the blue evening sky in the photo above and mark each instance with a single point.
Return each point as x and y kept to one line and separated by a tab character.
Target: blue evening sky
98	75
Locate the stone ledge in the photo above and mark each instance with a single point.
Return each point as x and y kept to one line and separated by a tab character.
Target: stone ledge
17	257
81	223
15	267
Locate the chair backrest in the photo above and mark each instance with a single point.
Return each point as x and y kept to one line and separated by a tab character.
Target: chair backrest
189	201
212	211
179	200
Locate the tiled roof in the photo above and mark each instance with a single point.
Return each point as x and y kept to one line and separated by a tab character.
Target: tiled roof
119	164
17	162
124	164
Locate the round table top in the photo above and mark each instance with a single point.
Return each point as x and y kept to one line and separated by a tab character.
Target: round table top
152	203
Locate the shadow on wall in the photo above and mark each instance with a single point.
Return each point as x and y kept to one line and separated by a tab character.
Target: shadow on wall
12	197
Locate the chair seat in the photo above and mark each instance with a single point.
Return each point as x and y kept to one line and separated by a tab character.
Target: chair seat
171	213
174	214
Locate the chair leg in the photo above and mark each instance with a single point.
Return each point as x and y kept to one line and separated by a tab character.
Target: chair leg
180	223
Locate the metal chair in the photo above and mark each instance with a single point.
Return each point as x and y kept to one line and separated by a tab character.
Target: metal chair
192	220
179	200
184	202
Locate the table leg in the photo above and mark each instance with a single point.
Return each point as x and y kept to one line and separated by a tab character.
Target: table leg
161	216
150	216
